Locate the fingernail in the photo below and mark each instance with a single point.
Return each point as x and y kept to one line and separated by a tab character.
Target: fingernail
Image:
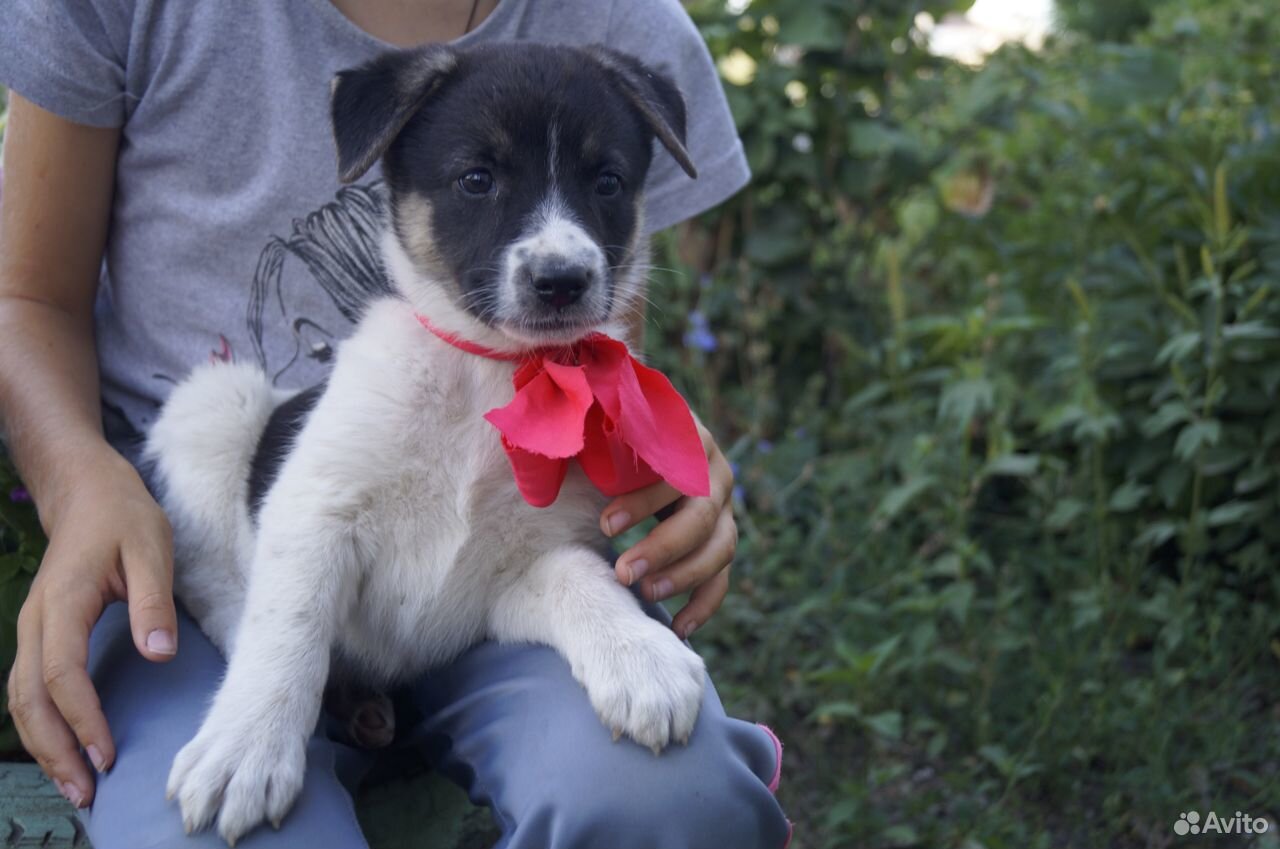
638	568
95	755
619	520
662	588
161	641
71	793
689	628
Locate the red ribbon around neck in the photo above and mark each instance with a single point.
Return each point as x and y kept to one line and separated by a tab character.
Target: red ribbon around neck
592	401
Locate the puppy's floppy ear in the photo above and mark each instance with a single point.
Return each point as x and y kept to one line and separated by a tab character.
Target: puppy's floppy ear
654	95
372	103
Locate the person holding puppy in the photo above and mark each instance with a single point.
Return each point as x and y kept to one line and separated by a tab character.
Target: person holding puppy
171	195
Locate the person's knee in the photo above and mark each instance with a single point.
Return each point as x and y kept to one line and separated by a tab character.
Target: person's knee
703	817
677	802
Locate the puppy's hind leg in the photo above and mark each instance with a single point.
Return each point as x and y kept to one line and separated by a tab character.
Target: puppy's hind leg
641	679
367	716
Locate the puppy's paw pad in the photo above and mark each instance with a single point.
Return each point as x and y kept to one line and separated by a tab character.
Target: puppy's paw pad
239	777
651	691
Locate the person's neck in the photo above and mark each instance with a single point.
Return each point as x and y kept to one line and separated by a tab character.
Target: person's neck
407	23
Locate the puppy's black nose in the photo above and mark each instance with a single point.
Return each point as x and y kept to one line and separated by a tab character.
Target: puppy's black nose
560	287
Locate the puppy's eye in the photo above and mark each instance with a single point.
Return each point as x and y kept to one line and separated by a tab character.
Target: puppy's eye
608	184
477	181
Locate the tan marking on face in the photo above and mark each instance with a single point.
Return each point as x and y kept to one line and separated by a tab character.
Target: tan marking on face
414	225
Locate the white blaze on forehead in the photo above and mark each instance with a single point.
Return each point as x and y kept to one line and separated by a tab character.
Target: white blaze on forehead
555	231
553	154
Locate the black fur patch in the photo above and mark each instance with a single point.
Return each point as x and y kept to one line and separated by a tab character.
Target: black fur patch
277	441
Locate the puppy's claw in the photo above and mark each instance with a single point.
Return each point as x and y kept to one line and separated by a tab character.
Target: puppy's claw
684	741
656	749
617	734
275	822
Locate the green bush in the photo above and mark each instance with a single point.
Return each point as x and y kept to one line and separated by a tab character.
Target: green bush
998	352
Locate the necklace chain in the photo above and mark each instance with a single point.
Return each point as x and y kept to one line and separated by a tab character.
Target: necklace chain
475	4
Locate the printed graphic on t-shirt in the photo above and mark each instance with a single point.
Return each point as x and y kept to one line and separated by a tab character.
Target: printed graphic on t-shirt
332	256
338	245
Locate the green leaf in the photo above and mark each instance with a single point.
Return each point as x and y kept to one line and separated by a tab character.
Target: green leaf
810	25
1179	348
957	599
1171	483
873	138
899	836
837	710
1250	331
963	400
1065	512
1157	534
1196	437
896	499
1128	496
887	724
1233	513
868	396
1014	465
1170	413
999	757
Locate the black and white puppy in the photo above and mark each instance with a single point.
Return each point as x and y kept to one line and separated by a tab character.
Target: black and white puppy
391	535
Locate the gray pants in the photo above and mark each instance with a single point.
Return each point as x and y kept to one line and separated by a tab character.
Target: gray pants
517	731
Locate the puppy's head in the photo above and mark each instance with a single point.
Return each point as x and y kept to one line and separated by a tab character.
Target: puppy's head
516	174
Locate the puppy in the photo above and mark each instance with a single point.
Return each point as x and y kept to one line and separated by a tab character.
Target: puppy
372	528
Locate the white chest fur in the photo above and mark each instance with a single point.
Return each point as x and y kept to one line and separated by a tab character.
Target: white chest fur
437	521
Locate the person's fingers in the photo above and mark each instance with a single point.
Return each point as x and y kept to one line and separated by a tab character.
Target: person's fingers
699	566
688	528
64	657
628	510
148	576
703	603
43	731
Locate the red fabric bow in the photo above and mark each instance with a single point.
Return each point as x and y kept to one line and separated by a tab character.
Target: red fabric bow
592	401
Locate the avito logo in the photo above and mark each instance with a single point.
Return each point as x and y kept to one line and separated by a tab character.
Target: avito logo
1241	823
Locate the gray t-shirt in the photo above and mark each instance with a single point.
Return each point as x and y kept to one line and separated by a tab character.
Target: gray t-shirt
230	235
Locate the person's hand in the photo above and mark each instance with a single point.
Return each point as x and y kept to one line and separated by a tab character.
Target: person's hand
109	541
690	550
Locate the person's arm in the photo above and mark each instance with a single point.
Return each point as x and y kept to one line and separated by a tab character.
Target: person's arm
108	539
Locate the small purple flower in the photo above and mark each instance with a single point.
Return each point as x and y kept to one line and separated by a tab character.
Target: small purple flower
19	495
699	334
739	494
764	446
704	281
802	432
735	468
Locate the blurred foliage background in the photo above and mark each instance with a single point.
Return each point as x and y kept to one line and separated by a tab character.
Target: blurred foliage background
996	353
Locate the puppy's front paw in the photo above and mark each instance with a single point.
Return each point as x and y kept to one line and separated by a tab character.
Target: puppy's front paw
649	688
243	772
